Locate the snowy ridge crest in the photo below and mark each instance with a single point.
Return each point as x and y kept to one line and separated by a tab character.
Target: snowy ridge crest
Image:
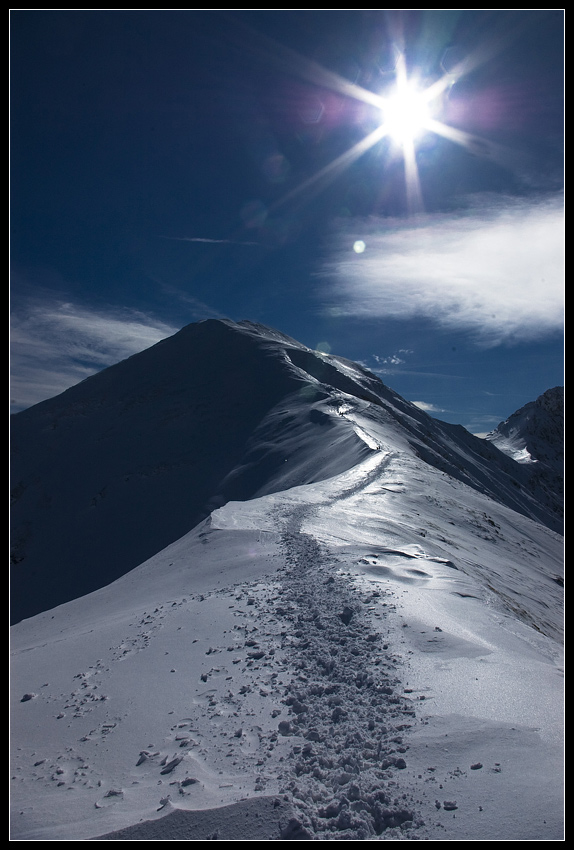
132	458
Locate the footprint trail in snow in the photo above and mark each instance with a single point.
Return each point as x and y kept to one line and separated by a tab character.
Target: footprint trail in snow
346	715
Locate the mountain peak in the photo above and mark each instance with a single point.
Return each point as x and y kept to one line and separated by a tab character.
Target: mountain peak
117	467
111	471
535	432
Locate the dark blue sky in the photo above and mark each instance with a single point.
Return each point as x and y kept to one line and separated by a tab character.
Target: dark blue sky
168	167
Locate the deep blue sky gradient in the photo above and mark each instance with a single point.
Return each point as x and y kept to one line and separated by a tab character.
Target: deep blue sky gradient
134	132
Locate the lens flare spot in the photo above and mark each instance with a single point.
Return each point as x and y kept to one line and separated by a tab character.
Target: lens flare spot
359	246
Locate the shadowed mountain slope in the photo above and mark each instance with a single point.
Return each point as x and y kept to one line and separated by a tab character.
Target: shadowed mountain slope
111	471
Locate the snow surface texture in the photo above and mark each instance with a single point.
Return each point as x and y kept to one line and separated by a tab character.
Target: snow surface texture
371	652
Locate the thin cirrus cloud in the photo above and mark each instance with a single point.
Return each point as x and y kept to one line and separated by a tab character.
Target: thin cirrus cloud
56	345
495	270
209	241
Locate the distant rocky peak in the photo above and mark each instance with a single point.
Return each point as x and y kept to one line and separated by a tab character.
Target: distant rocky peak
552	401
537	426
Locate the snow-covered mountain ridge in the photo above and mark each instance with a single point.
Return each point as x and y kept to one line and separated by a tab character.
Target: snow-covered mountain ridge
359	639
132	458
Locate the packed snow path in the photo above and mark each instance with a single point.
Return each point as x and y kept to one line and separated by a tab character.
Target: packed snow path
344	699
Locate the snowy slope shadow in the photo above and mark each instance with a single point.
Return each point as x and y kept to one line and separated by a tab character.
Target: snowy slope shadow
259	819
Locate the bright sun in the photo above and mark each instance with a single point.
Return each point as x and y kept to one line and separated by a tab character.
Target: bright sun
406	114
408	111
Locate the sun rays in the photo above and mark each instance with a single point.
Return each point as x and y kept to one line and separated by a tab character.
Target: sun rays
409	108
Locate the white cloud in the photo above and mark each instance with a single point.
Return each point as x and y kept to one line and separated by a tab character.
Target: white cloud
57	344
395	359
428	407
496	270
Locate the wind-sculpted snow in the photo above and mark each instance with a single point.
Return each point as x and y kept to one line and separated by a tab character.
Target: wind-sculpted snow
302	700
327	662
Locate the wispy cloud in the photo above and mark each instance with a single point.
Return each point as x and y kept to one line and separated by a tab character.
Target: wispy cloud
209	241
428	407
195	309
57	344
390	360
495	269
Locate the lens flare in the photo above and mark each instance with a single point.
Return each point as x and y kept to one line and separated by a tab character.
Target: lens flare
408	112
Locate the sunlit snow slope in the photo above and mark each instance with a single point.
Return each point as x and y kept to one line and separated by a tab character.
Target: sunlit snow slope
114	469
353	631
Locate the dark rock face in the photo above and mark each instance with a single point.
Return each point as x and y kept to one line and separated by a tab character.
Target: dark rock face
535	435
